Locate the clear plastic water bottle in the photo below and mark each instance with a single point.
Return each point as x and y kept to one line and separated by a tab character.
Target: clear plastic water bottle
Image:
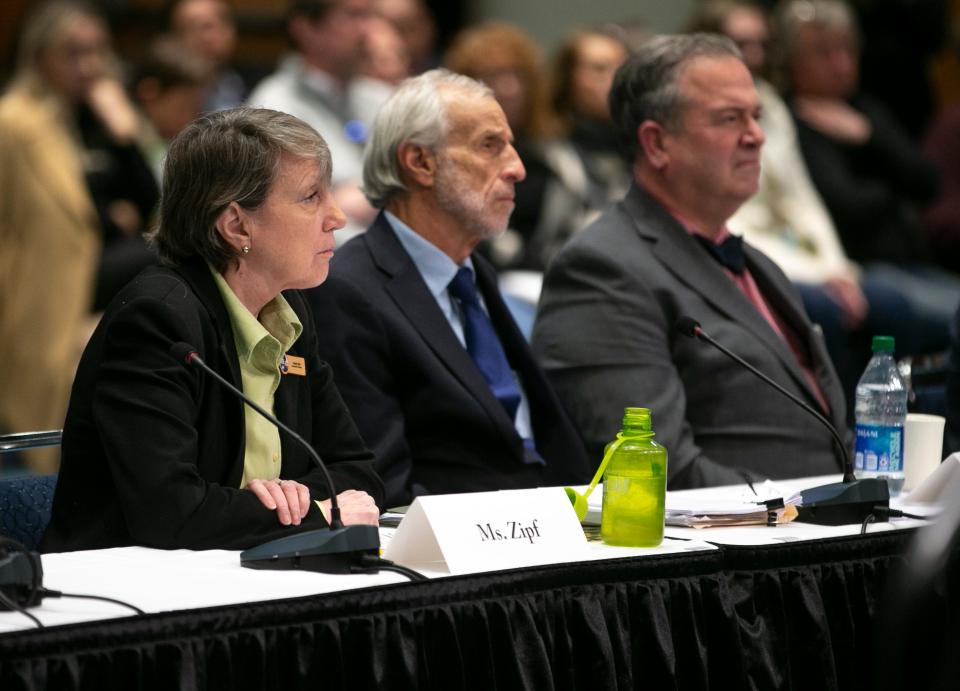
881	410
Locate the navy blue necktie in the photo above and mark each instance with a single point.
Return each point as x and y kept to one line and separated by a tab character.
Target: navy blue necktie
483	344
729	252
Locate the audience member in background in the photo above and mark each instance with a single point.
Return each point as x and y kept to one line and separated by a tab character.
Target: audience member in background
208	29
583	72
157	454
941	220
687	111
951	433
416	26
871	177
438	376
321	84
787	220
169	84
900	39
386	57
75	194
632	32
552	199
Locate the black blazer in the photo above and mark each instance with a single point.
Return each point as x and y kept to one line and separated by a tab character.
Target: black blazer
417	396
153	449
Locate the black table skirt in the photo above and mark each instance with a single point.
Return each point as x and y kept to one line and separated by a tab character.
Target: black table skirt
792	616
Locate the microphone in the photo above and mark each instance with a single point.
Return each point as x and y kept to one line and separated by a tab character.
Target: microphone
849	501
337	549
21	577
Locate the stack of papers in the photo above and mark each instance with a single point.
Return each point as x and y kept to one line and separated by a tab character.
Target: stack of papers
713	513
763	504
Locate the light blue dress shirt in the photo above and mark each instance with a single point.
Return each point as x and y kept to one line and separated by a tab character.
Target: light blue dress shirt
437	270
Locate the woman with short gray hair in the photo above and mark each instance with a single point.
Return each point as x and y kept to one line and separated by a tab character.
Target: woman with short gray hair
156	453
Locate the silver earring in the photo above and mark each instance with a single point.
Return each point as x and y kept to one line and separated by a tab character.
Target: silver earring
245	249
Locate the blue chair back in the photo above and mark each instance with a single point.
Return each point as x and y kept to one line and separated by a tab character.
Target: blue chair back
25	507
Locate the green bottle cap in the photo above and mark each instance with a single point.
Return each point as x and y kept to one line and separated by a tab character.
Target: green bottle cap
883	344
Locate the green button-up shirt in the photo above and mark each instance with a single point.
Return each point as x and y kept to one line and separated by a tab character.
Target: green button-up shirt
261	345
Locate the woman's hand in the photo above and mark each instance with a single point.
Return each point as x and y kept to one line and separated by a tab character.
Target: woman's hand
290	499
356	507
109	102
834	118
853	304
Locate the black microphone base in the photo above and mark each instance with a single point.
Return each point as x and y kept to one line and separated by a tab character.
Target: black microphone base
324	550
843	502
17	579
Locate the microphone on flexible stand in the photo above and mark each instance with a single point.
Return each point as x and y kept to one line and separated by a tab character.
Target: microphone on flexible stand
838	503
336	549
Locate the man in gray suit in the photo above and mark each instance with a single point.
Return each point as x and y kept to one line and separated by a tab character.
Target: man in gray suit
688	112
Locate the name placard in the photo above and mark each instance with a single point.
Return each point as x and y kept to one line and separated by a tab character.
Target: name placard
488	531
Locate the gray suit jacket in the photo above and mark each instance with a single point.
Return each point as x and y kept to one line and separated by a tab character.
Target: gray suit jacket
605	334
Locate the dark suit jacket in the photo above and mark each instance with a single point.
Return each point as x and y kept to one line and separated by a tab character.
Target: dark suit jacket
418	398
605	335
153	450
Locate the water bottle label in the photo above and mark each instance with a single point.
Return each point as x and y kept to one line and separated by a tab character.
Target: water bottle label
879	448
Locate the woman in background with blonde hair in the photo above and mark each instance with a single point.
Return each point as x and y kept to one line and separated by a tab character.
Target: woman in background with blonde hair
72	179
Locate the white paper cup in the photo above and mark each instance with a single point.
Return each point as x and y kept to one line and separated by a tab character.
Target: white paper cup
922	448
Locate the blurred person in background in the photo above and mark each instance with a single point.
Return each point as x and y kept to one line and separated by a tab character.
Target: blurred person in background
169	85
941	144
787	220
633	32
416	26
871	177
387	58
208	29
900	40
321	83
552	199
583	72
76	193
951	432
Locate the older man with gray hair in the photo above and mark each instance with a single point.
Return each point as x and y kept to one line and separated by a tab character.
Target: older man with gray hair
687	111
436	373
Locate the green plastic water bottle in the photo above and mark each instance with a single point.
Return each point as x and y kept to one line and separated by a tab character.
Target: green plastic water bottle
634	485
